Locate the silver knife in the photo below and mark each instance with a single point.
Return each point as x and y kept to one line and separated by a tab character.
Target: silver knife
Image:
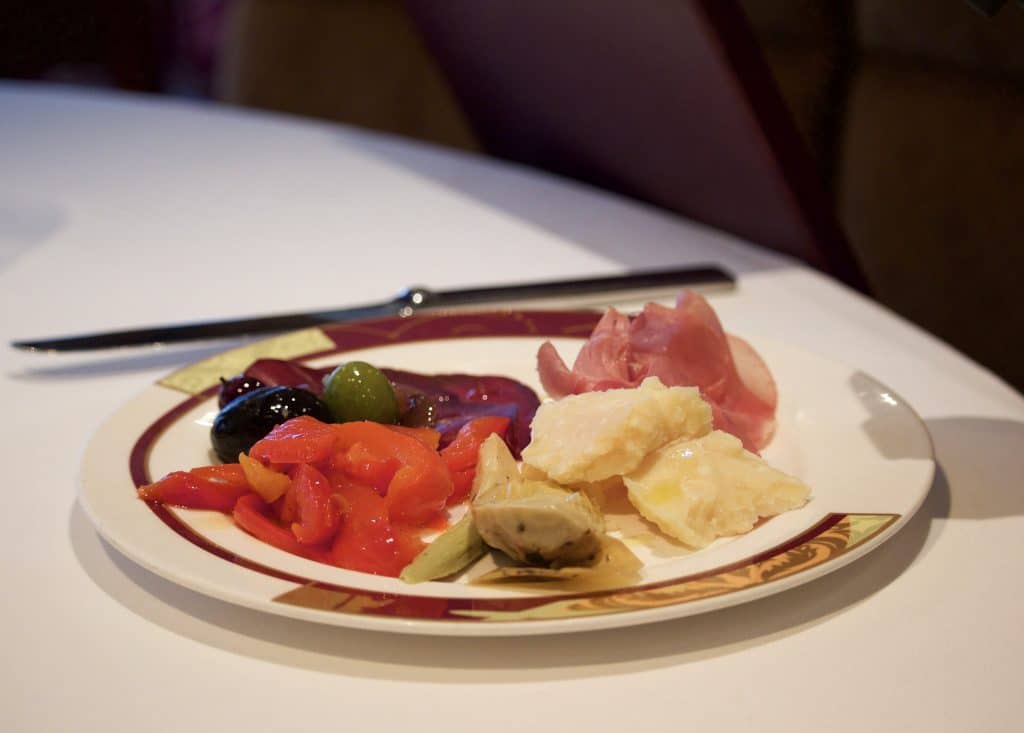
405	303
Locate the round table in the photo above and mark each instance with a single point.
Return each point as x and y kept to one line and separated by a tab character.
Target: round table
117	211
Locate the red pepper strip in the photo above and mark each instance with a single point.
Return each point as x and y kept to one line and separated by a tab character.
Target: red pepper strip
461	453
225	474
369	542
462	482
208	487
419	488
366	467
428	436
319	517
286	508
252	514
300	440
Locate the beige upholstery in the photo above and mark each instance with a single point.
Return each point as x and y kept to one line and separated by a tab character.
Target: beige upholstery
922	143
944	33
359	61
932	187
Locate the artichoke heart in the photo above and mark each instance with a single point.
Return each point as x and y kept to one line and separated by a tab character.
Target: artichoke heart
532	521
459	547
541	524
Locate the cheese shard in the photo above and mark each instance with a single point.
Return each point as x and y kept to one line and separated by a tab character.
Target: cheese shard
698	490
596	435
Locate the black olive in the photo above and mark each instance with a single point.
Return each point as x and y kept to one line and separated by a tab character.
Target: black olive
249	417
235	387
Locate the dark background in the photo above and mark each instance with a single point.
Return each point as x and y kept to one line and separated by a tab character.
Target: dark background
912	112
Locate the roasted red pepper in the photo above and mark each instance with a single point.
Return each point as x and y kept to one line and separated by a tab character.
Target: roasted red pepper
419	487
319	517
354	494
252	514
461	454
369	541
366	466
462	485
428	436
207	487
300	440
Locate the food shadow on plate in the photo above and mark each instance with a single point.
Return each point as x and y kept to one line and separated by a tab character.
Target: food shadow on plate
482	660
891	425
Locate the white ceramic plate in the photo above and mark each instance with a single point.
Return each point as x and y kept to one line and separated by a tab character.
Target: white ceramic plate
865	454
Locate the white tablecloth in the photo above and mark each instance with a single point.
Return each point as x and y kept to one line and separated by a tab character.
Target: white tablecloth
118	211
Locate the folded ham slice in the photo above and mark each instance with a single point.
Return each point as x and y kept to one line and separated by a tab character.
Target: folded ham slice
683	346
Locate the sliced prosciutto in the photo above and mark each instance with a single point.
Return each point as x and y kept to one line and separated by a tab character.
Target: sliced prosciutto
683	346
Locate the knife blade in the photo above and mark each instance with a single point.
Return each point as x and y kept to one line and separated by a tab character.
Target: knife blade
406	303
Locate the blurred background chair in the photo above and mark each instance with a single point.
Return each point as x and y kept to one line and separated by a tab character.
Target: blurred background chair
357	61
668	103
914	112
911	114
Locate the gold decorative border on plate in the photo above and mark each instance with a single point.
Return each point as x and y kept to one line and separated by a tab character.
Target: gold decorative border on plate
199	377
831	538
847	533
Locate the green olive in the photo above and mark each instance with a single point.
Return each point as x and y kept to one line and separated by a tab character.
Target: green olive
359	391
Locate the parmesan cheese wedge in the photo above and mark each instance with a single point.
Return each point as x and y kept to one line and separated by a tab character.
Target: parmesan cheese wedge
596	435
698	490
